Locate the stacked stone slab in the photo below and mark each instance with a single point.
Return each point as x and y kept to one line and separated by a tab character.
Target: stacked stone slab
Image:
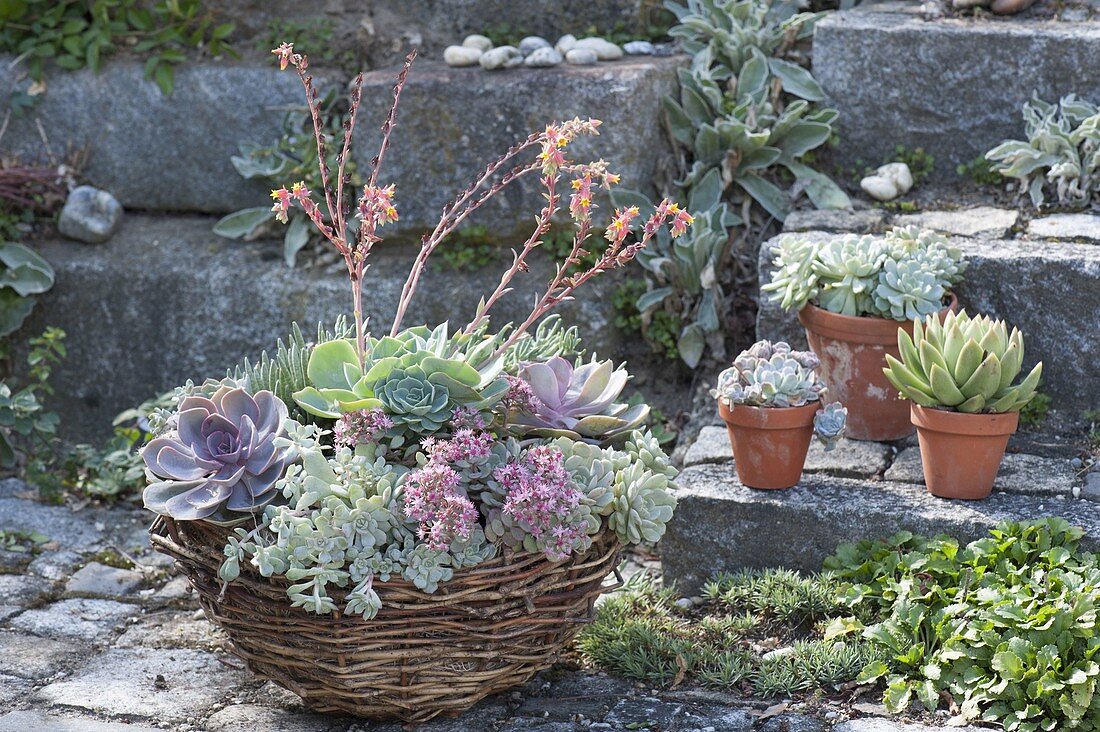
953	87
172	153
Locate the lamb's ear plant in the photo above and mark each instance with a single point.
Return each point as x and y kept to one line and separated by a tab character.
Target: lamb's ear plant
965	364
1061	155
748	121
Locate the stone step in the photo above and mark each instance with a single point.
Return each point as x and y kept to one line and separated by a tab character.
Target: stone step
166	300
952	86
1047	287
845	496
172	153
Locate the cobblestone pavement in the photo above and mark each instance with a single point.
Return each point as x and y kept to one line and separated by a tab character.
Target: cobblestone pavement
90	647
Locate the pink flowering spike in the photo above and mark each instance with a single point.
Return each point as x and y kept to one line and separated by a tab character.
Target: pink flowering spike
580	202
282	204
681	220
620	224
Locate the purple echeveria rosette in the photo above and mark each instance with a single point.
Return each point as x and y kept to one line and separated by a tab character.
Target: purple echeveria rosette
221	459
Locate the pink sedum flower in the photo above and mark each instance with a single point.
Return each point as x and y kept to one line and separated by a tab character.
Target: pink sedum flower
541	499
360	427
432	497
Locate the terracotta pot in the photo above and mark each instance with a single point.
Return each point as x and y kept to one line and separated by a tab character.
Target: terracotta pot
853	353
769	443
961	453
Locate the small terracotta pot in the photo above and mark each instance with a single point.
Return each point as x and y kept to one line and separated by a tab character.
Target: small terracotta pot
853	353
769	443
962	453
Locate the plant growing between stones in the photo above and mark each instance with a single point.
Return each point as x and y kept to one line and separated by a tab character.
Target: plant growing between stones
76	35
1061	155
26	429
1002	626
747	122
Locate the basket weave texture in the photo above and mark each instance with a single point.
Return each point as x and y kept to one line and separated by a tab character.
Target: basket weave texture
488	629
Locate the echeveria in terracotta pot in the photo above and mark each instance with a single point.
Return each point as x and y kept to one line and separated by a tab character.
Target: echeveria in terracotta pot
961	377
770	399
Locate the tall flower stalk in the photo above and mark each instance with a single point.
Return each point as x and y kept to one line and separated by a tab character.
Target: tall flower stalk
375	208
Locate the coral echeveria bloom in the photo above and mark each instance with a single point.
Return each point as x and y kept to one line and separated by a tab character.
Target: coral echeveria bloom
221	459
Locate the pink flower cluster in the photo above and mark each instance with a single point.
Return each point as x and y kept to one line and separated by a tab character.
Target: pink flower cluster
464	445
622	222
557	137
433	498
376	206
360	427
299	194
520	397
541	500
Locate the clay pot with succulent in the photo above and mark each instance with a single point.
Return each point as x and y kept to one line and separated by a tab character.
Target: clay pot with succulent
961	376
771	402
853	294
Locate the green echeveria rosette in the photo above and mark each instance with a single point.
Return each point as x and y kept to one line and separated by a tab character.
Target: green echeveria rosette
410	399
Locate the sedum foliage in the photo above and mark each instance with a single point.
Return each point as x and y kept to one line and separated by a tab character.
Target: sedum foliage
904	275
1006	625
1061	155
639	633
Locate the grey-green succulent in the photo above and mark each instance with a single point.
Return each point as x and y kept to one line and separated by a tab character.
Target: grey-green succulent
905	274
642	505
964	364
770	375
1061	154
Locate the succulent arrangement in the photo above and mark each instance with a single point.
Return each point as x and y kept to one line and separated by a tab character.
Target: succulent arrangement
904	275
424	450
1061	155
774	375
965	364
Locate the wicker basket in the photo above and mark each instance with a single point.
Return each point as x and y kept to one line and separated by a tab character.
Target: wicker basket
490	628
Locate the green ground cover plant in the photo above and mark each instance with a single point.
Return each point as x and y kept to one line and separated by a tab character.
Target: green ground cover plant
1000	630
77	34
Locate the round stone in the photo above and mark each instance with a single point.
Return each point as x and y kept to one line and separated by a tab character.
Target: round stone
581	57
502	57
530	44
639	48
605	50
543	57
481	43
461	56
566	43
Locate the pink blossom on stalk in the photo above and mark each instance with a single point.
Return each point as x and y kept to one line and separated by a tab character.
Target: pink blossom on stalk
520	397
376	205
620	224
580	203
282	204
286	55
468	417
541	499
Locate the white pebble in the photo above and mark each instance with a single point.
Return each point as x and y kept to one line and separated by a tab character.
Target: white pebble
605	50
481	43
502	57
530	44
639	48
543	57
461	56
581	57
566	43
888	182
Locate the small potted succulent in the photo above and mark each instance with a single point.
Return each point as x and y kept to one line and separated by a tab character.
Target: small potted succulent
771	402
961	376
397	524
853	293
